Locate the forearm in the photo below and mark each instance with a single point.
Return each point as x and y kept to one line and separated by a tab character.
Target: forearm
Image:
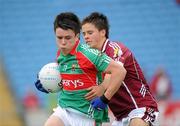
115	82
104	85
117	74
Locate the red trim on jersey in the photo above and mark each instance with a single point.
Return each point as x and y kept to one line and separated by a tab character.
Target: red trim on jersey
73	51
77	81
85	64
58	54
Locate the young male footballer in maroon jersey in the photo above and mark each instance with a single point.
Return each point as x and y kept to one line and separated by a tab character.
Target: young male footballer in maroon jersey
133	104
80	67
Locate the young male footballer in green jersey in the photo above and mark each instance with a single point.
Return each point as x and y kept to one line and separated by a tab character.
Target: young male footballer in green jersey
81	67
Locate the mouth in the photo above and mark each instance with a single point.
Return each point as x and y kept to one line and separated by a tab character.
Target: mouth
88	42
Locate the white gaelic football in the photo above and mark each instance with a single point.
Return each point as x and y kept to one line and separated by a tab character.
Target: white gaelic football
50	78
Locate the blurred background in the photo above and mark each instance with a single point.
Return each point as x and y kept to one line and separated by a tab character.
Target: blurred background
150	28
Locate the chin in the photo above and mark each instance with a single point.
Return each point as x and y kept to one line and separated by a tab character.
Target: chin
90	44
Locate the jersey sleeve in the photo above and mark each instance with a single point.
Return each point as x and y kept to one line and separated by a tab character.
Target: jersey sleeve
102	61
99	59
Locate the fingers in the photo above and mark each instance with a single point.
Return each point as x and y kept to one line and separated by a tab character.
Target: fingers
94	92
90	88
91	95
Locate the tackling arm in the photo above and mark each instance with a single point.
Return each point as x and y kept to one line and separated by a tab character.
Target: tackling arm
118	74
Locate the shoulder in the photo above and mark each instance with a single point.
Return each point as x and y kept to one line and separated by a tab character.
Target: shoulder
85	49
115	44
114	48
92	54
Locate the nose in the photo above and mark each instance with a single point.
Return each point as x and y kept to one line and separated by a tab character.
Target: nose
85	36
63	41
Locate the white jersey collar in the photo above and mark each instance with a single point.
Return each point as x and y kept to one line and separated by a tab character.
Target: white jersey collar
104	45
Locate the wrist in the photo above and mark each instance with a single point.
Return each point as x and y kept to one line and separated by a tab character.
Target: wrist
104	99
103	88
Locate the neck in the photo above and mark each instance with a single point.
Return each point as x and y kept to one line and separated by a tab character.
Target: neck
101	43
65	52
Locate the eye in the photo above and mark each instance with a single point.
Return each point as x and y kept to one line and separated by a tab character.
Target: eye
90	32
68	37
84	33
59	37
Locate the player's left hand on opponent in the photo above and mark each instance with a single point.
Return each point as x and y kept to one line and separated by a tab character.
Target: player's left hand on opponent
100	102
94	91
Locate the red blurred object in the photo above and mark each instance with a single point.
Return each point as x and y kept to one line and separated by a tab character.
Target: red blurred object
160	85
178	2
30	101
172	107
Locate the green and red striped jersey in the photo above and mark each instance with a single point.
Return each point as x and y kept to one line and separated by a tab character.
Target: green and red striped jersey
81	68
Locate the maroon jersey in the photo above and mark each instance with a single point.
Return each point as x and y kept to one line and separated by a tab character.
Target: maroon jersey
134	91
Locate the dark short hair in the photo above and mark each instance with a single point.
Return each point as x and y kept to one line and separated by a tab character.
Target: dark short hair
99	20
67	20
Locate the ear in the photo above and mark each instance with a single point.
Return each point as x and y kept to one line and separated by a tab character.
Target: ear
103	32
78	36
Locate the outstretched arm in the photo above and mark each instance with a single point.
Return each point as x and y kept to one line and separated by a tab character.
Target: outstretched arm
118	74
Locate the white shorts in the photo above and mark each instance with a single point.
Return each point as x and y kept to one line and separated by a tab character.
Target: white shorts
71	117
147	114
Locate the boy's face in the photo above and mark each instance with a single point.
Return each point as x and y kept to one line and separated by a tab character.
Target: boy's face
93	37
65	39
